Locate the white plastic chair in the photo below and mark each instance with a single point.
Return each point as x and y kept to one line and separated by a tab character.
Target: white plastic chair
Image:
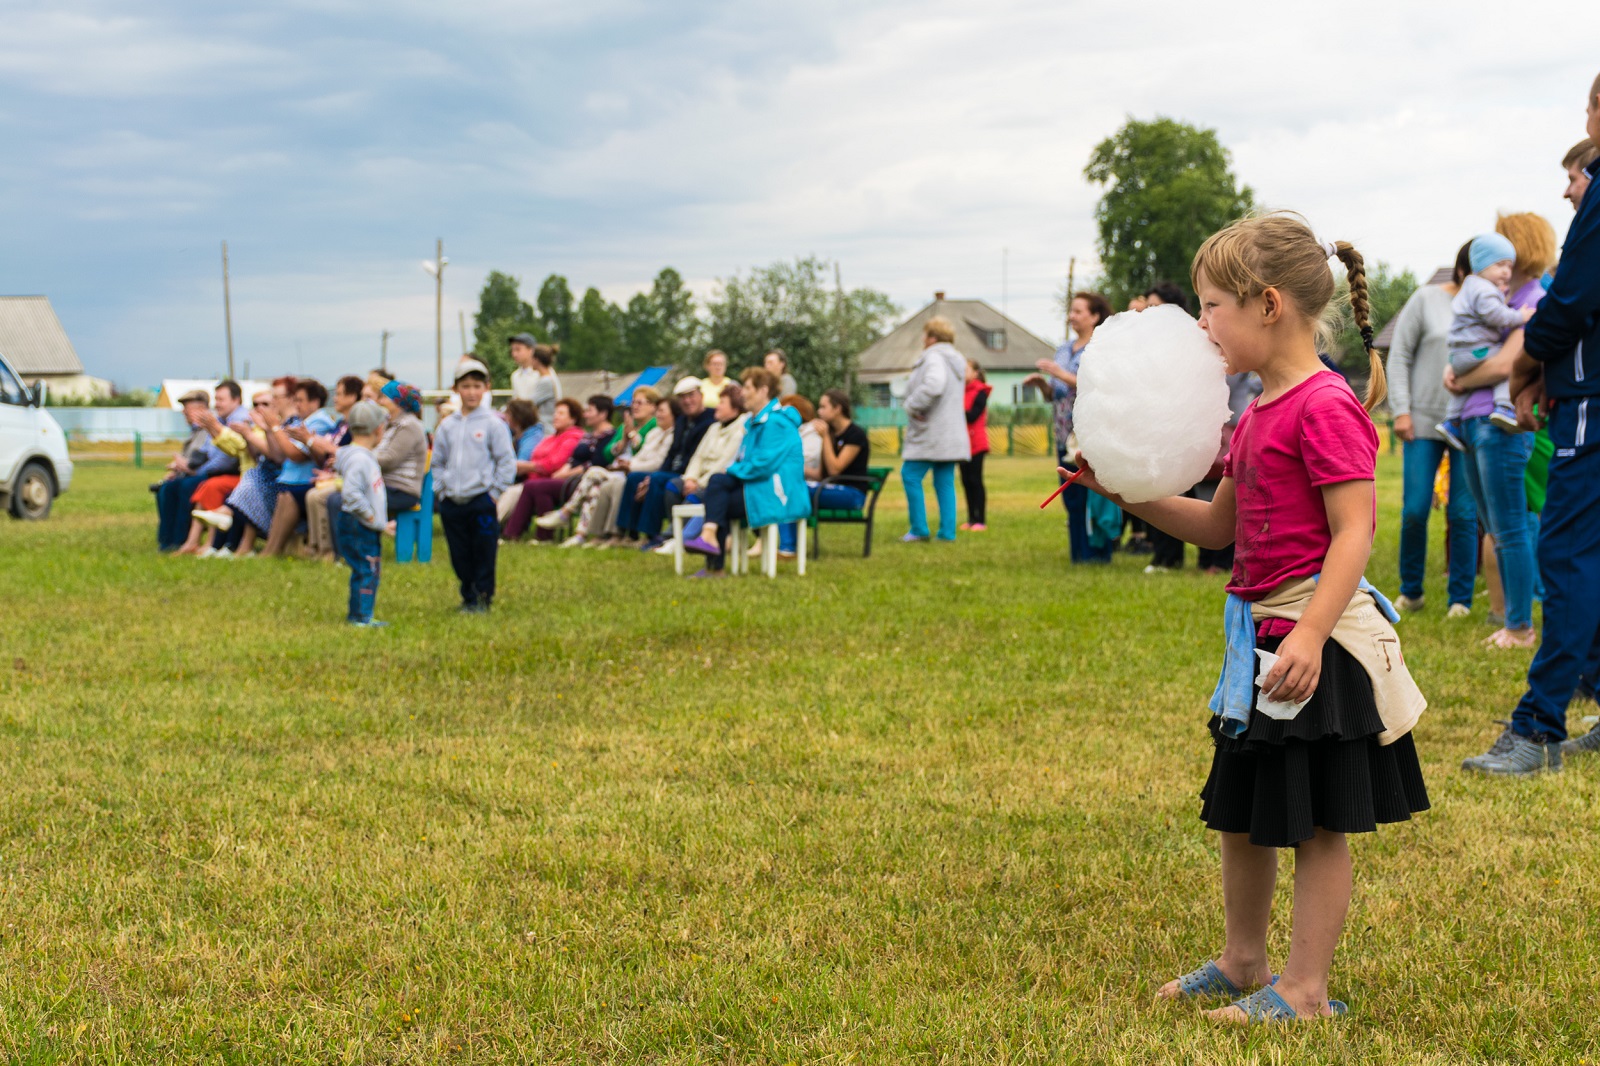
680	514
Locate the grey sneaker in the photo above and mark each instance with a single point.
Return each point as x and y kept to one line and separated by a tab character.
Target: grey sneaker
1524	758
1583	745
1501	745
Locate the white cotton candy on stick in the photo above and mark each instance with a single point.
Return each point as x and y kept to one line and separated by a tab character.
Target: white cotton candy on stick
1152	401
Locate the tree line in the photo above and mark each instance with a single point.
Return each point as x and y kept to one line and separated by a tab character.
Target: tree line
1168	186
793	305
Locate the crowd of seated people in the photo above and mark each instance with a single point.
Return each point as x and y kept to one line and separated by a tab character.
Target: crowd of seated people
251	478
751	455
257	473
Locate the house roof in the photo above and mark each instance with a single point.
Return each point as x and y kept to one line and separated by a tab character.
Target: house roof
32	339
1385	335
976	324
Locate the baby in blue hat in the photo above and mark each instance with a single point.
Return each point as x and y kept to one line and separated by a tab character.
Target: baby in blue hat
1482	321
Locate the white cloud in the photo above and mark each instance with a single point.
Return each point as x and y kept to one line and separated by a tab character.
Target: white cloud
332	140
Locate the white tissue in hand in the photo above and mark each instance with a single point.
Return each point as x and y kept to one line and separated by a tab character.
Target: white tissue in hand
1268	706
1152	401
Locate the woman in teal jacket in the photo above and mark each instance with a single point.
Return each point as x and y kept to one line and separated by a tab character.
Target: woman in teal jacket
766	485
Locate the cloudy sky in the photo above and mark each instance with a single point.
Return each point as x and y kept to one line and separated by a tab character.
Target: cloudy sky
330	142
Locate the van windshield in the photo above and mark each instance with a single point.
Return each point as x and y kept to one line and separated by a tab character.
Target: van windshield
11	390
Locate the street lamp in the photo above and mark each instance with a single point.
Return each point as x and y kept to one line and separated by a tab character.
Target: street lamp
435	266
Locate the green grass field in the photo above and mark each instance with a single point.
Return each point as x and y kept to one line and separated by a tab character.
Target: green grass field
935	806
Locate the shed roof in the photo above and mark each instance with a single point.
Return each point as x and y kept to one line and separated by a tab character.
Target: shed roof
983	334
32	340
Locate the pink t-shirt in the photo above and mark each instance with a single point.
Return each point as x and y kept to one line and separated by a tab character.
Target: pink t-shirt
1282	454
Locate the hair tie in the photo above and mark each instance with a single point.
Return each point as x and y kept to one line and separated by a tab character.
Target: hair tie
1366	337
1329	250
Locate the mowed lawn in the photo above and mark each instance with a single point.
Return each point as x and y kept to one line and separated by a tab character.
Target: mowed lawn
935	806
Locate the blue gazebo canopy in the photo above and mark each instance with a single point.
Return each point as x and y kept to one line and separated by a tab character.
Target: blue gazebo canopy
648	376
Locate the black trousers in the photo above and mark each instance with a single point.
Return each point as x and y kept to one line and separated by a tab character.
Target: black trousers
972	486
472	530
724	495
1165	549
1211	558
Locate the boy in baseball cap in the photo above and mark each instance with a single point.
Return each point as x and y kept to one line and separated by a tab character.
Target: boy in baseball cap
473	463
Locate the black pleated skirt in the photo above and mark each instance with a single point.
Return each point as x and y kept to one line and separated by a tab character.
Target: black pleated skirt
1281	781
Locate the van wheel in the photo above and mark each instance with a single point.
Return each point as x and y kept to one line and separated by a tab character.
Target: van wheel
33	493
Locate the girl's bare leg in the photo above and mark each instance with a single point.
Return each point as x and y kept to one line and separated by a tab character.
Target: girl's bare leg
1321	901
1249	874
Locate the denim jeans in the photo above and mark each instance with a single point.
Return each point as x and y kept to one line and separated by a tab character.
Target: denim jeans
362	549
912	471
1080	547
645	516
827	498
1495	463
1421	467
173	507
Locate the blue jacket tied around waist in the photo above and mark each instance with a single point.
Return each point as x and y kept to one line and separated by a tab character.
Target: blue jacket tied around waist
1231	700
772	464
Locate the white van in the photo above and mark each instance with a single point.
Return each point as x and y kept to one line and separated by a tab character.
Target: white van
34	467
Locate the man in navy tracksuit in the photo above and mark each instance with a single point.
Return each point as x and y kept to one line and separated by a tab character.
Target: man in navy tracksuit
1564	339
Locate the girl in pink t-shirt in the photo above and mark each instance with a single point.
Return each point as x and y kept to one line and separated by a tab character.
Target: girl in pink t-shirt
1297	502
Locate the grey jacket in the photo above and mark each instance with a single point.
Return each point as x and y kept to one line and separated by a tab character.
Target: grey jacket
402	453
1482	320
937	429
1417	360
363	493
472	454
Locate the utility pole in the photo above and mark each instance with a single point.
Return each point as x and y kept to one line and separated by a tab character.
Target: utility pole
227	306
462	317
436	268
383	352
1072	269
438	315
1005	265
838	313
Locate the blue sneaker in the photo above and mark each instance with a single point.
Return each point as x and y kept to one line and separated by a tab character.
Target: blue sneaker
912	538
1505	419
367	623
1450	430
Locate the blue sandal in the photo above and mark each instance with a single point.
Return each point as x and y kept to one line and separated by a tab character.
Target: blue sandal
1208	980
1265	1005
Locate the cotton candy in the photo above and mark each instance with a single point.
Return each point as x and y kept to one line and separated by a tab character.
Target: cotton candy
1152	401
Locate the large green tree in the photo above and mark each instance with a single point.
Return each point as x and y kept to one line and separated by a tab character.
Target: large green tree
1167	188
554	306
502	314
660	327
791	305
595	339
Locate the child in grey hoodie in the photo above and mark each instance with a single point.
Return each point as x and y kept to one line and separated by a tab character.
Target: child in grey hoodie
1482	320
365	510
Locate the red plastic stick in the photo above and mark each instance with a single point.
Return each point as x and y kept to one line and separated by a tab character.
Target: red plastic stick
1048	500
